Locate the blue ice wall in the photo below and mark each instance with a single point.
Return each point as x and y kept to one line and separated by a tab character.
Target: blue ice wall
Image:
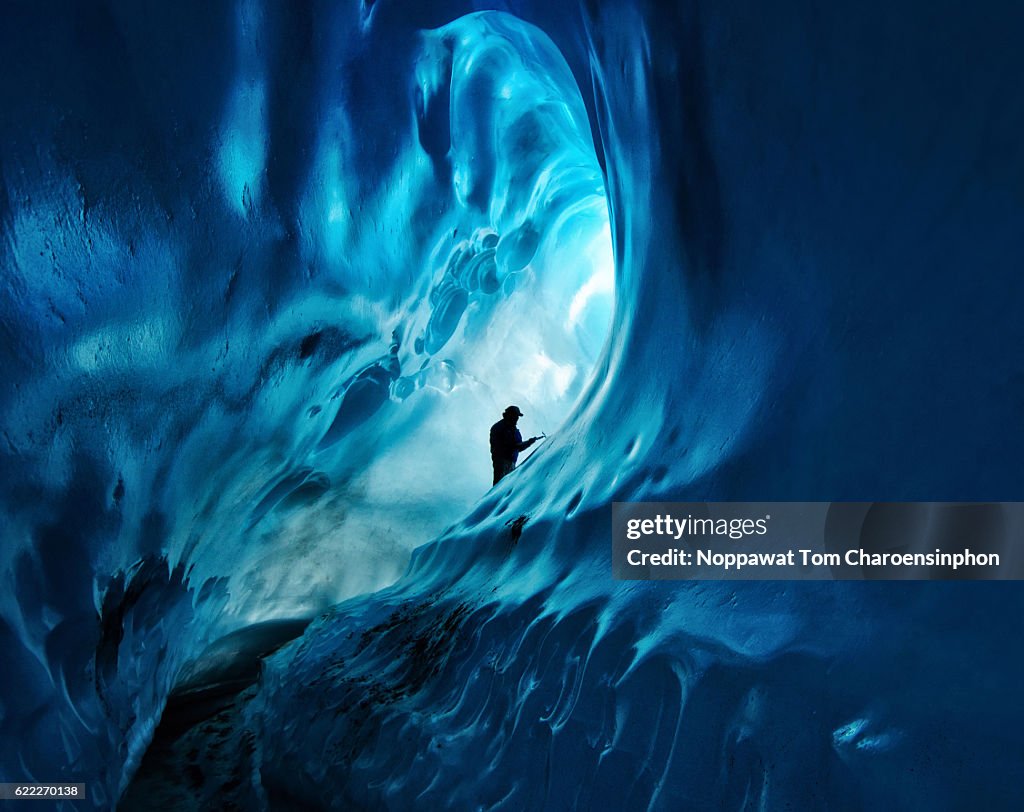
260	304
259	312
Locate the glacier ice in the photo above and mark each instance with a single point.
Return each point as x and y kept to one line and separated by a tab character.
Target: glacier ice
259	306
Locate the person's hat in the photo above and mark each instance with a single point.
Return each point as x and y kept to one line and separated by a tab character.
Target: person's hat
512	410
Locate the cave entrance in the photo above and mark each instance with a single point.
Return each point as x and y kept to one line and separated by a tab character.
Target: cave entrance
517	290
486	228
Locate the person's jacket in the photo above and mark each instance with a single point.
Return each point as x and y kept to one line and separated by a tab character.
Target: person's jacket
507	442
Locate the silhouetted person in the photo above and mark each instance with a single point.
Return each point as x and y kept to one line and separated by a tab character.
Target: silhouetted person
507	442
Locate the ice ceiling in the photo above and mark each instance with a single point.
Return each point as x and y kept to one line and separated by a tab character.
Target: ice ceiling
271	270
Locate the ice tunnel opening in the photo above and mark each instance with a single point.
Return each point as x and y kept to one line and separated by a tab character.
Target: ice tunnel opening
492	283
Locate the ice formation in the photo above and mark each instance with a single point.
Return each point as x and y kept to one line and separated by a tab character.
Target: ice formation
270	271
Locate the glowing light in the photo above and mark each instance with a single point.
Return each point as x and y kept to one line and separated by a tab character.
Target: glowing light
601	283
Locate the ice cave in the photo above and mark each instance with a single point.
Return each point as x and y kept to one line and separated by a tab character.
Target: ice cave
271	270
